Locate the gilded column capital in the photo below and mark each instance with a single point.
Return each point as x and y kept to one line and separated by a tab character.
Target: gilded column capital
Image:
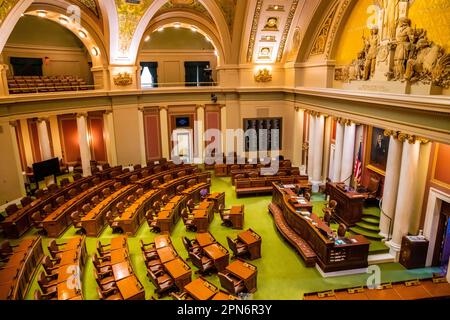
108	112
161	108
200	106
402	137
141	109
82	115
41	119
13	123
298	108
423	140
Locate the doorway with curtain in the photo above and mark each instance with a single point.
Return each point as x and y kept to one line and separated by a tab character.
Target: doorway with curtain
149	75
183	145
197	73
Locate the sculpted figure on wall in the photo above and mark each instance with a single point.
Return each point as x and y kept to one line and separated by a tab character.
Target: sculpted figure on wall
371	51
403	44
390	18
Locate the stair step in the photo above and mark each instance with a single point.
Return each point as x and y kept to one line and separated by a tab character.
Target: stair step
371	220
371	213
367	233
368	226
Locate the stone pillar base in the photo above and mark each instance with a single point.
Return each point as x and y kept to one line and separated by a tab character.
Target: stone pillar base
316	185
394	250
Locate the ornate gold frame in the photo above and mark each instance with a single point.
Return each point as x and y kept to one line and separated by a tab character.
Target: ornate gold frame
369	151
433	169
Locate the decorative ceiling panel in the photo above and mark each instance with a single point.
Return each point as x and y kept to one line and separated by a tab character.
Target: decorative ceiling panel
5	7
130	12
272	22
229	11
194	5
91	5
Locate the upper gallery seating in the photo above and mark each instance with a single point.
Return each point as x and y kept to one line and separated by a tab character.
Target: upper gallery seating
38	84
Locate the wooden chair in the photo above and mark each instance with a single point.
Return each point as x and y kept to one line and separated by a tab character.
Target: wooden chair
112	294
38	222
49	266
202	262
330	208
64	182
26	201
180	189
162	281
231	283
342	230
238	248
60	201
11	209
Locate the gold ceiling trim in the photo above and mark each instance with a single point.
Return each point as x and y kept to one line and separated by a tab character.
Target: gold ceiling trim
194	5
251	43
320	42
336	23
287	27
228	8
5	8
91	5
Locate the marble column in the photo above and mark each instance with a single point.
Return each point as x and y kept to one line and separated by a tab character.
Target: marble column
339	144
26	142
142	150
110	139
311	145
406	192
199	134
16	153
318	152
391	184
44	139
326	147
348	151
297	156
223	127
54	131
85	152
163	118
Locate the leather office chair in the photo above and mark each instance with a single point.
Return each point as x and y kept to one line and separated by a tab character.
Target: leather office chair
224	216
38	295
64	182
76	221
235	167
117	186
253	174
11	209
134	178
180	296
72	193
84	187
139	192
60	201
203	263
26	201
49	266
120	207
39	193
155	183
327	218
6	250
165	199
106	192
103	278
125	170
48	209
238	248
112	294
54	249
155	265
184	214
52	188
180	189
330	208
95	200
191	183
86	208
77	176
231	283
145	173
342	230
190	246
105	284
38	222
102	266
167	178
130	200
102	252
137	167
162	281
190	225
48	280
50	290
149	251
96	180
371	190
181	174
307	196
190	205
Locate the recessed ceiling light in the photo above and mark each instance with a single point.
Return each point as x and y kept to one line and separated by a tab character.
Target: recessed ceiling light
194	29
82	34
177	25
42	13
275	7
63	20
22	15
95	52
208	39
147	38
161	29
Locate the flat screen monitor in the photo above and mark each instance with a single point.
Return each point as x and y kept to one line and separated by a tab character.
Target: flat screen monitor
45	168
182	122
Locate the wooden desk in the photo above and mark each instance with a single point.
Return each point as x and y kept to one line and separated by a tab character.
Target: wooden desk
121	270
300	204
223	296
246	272
118	243
331	256
130	288
349	204
134	215
119	255
201	220
253	242
218	198
219	255
67	292
69	257
237	216
205	239
221	170
179	271
6	290
162	241
200	289
166	254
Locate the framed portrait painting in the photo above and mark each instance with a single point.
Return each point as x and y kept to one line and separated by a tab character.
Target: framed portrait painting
378	150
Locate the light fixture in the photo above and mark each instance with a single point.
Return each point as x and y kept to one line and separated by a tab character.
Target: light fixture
194	29
216	53
63	20
42	13
147	38
161	29
208	39
275	7
82	34
95	52
22	15
177	25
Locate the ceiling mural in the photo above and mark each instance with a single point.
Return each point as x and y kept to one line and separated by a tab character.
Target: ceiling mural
324	30
129	13
5	7
186	4
270	29
229	10
91	5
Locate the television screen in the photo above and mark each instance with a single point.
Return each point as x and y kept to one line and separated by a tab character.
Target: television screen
45	168
182	122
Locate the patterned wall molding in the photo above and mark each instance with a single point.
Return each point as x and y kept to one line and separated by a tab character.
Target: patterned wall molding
320	41
251	42
5	8
287	27
336	23
195	5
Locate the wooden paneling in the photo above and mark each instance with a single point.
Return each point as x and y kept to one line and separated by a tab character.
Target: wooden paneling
69	138
441	164
97	141
152	134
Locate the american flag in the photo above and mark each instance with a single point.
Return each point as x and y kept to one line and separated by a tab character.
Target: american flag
357	171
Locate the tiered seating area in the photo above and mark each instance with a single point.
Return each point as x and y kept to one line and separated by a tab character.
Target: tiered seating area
38	84
263	185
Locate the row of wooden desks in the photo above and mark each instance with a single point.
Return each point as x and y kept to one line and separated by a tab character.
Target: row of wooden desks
169	215
146	182
58	221
126	279
94	222
203	215
17	272
253	242
213	250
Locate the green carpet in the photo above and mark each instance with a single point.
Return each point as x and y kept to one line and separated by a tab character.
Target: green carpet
281	272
